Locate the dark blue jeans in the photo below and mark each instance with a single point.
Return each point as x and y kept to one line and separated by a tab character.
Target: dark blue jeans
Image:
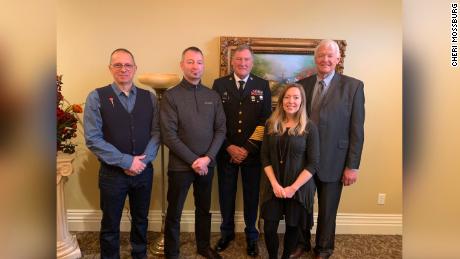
228	179
115	186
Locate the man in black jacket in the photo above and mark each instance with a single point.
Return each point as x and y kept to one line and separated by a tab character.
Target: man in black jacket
247	104
193	128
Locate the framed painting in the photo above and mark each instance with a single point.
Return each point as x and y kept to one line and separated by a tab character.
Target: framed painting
279	60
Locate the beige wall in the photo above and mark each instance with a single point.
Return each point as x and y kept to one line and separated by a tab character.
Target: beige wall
157	31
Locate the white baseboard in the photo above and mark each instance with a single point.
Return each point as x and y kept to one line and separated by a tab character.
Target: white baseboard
347	223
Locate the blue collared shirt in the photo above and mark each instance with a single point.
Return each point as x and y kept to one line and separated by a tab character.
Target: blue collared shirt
327	82
95	138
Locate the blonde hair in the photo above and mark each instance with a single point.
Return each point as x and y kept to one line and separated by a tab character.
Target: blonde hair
277	121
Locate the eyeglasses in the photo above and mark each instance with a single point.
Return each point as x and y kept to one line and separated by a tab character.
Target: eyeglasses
119	66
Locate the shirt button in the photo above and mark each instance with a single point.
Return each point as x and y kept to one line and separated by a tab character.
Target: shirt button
239	121
239	130
241	103
240	112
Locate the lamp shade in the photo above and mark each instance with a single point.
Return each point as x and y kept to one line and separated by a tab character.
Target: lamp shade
159	80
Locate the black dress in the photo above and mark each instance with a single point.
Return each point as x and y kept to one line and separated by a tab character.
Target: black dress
289	156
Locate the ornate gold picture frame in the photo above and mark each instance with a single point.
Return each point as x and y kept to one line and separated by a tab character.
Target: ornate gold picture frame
279	60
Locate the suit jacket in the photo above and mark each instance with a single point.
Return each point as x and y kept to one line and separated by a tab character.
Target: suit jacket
340	126
245	115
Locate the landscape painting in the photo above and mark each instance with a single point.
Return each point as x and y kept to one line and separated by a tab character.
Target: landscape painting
282	69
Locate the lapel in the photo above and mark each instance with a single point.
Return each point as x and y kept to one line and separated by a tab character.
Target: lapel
310	86
249	86
231	87
333	88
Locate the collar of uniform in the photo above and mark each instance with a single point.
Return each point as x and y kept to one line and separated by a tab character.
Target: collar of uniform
241	79
118	92
187	85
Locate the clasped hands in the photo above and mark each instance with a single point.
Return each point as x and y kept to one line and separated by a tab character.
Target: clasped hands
200	165
237	154
283	193
137	166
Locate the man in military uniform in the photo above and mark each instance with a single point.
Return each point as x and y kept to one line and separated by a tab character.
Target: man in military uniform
247	104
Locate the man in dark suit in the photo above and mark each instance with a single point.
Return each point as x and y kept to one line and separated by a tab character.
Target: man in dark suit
335	103
247	104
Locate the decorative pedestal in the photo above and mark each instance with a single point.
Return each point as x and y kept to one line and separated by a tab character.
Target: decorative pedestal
67	245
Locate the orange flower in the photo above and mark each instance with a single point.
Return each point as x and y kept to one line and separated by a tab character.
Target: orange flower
67	119
77	108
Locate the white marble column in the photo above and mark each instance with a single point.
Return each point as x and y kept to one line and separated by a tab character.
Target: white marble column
67	245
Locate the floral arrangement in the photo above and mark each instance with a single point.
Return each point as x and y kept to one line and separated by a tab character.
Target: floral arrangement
67	120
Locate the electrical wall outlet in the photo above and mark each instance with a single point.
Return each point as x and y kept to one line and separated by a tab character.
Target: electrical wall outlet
381	198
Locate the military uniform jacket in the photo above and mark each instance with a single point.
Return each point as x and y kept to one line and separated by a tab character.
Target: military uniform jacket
246	114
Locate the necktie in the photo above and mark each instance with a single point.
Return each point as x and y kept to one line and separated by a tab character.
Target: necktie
241	88
317	103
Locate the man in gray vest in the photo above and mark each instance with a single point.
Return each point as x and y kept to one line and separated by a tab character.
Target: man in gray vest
121	123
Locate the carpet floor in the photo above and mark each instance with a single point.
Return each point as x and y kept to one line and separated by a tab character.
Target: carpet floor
347	246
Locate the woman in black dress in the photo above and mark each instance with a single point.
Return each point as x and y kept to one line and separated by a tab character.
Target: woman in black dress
290	157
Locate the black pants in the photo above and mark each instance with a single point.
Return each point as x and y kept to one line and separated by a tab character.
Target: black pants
272	242
115	186
228	179
305	236
178	186
328	202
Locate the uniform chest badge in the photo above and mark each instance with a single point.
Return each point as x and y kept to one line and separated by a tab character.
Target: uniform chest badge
225	97
257	92
257	95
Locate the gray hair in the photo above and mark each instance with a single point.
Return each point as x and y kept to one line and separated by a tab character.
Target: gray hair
122	50
242	47
329	43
